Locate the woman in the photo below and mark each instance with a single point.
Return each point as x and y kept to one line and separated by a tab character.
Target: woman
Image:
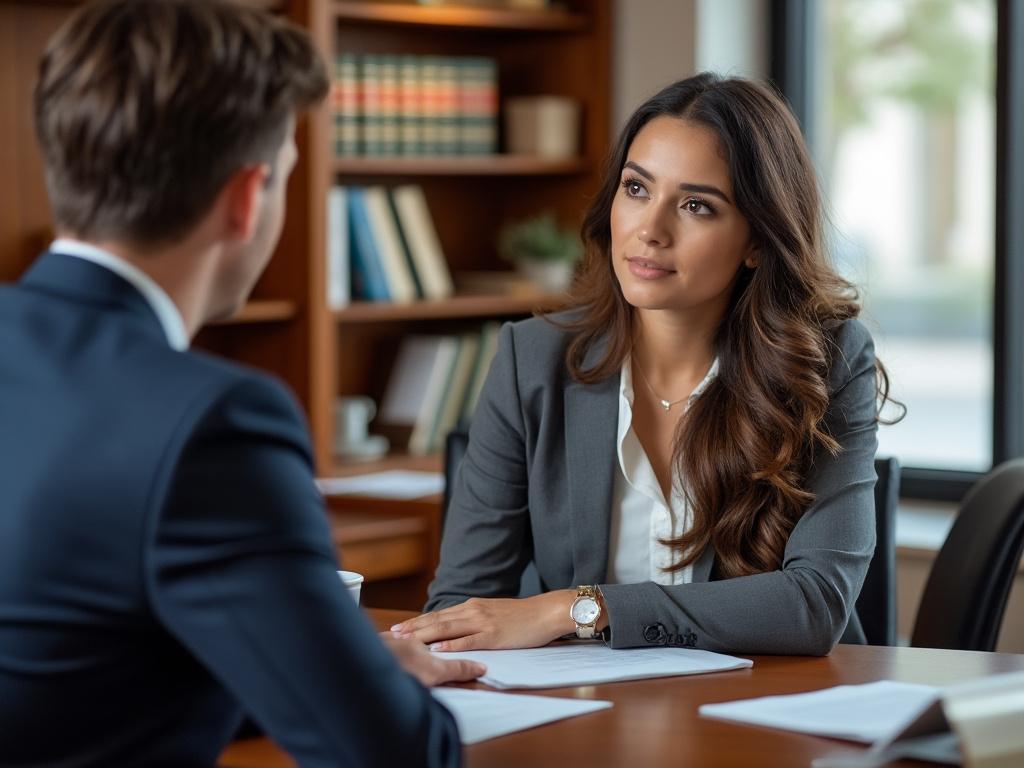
686	455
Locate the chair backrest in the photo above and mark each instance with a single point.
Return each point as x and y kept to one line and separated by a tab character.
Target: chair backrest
455	445
876	605
965	598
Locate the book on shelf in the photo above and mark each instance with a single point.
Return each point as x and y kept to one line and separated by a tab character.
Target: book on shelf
424	246
389	248
410	105
486	351
345	104
370	119
393	251
367	270
450	410
434	383
478	105
390	126
339	290
416	389
447	97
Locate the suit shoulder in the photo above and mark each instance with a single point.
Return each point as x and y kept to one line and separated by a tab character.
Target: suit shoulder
540	341
220	381
852	351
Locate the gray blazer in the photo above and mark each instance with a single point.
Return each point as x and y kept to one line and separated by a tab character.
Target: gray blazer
536	485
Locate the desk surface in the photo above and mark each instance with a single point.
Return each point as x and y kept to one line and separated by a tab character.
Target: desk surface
655	722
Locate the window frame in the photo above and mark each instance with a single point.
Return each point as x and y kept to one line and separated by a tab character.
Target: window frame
794	48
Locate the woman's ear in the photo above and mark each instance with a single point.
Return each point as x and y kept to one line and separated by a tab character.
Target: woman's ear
753	258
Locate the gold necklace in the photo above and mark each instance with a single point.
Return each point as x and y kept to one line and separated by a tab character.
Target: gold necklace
665	404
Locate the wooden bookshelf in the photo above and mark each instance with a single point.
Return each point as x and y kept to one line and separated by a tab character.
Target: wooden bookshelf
268	311
455	307
454	16
483	165
290	330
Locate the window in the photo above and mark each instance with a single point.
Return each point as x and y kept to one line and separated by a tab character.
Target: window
902	104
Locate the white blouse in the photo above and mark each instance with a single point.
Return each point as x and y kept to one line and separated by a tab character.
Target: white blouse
640	514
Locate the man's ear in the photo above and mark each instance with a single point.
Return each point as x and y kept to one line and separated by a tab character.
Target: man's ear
244	197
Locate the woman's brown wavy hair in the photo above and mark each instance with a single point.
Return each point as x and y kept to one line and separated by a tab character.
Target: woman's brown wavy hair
745	445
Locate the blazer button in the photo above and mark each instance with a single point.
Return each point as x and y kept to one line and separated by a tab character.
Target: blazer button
655	634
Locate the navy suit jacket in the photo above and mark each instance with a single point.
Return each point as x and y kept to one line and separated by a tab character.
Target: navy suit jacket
165	558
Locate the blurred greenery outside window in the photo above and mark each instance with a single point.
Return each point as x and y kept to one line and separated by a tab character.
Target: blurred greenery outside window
905	145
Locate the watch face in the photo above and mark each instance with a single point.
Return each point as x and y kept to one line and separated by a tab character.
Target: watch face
585	610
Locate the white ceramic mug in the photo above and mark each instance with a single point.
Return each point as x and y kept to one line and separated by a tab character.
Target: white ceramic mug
353	583
352	416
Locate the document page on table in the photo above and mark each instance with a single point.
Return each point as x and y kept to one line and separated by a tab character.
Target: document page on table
567	664
856	712
483	715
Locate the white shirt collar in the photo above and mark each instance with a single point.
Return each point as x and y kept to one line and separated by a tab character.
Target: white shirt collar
626	383
165	310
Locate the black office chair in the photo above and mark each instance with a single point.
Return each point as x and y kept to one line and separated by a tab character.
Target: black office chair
876	605
455	445
965	598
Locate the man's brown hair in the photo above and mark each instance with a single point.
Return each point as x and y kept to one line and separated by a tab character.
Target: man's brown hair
145	108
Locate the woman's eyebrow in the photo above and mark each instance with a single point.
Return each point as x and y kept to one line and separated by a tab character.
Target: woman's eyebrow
705	189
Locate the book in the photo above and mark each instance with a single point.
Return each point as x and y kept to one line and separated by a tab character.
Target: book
478	105
345	104
455	393
486	351
430	104
410	106
371	118
424	246
397	274
448	68
367	273
339	290
415	390
390	104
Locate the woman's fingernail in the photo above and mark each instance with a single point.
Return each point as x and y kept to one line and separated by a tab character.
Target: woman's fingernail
437	647
396	628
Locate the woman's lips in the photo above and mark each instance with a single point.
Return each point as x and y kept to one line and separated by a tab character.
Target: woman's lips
647	269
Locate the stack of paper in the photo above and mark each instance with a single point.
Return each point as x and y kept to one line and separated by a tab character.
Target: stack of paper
865	713
568	664
392	484
484	715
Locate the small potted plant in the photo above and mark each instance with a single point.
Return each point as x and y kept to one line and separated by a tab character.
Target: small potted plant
541	250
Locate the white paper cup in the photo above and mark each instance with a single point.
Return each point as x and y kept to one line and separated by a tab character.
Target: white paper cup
353	583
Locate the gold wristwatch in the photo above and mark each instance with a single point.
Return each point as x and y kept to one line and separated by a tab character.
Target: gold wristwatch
585	611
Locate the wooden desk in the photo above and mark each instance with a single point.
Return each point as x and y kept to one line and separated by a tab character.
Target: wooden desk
654	722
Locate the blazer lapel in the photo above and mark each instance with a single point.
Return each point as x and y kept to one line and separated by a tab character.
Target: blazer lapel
702	566
591	422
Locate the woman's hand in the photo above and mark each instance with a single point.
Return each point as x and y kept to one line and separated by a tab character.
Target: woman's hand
492	623
429	668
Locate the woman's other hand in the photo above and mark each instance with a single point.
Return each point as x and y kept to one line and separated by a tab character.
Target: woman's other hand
494	623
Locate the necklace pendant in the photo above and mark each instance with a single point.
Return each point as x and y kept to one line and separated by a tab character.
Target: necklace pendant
666	404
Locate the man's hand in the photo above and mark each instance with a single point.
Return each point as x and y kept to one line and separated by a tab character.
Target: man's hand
481	623
428	667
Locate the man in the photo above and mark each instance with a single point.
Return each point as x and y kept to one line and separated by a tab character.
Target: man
165	560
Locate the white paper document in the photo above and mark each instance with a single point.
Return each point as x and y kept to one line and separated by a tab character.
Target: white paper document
567	664
393	484
866	713
483	715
